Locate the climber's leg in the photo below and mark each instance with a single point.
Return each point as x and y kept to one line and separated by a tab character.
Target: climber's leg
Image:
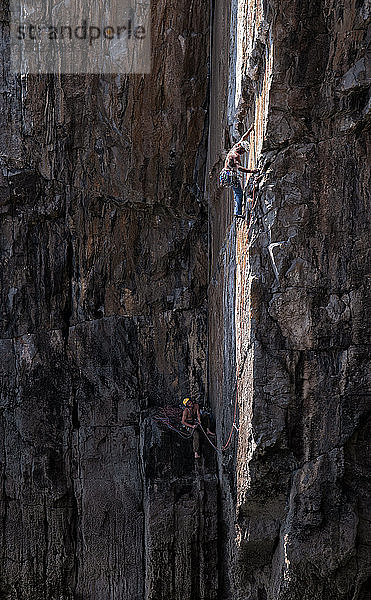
238	197
207	424
196	442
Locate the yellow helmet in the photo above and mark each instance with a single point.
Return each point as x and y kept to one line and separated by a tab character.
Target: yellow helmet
185	401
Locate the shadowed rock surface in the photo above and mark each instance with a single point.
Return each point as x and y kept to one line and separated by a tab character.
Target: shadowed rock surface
103	317
111	308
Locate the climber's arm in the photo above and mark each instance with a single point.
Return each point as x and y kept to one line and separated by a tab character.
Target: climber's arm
244	170
246	135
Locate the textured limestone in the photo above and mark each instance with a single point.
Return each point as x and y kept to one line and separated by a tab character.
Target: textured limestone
291	292
103	317
104	290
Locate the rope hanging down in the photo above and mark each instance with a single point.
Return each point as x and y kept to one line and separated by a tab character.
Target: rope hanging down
170	416
224	446
234	426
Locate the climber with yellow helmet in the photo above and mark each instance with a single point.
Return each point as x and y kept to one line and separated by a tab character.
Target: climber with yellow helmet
191	419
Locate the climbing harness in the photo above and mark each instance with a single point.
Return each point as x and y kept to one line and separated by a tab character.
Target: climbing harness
228	178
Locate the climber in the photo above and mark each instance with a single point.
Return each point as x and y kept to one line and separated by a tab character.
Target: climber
229	176
192	419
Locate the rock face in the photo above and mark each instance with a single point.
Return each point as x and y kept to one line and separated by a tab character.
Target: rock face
111	309
288	290
103	302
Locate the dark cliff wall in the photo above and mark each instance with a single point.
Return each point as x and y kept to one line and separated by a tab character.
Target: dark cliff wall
289	293
103	317
104	300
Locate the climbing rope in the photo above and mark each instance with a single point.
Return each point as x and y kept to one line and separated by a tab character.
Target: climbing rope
208	439
252	210
164	422
169	417
165	419
234	426
225	446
